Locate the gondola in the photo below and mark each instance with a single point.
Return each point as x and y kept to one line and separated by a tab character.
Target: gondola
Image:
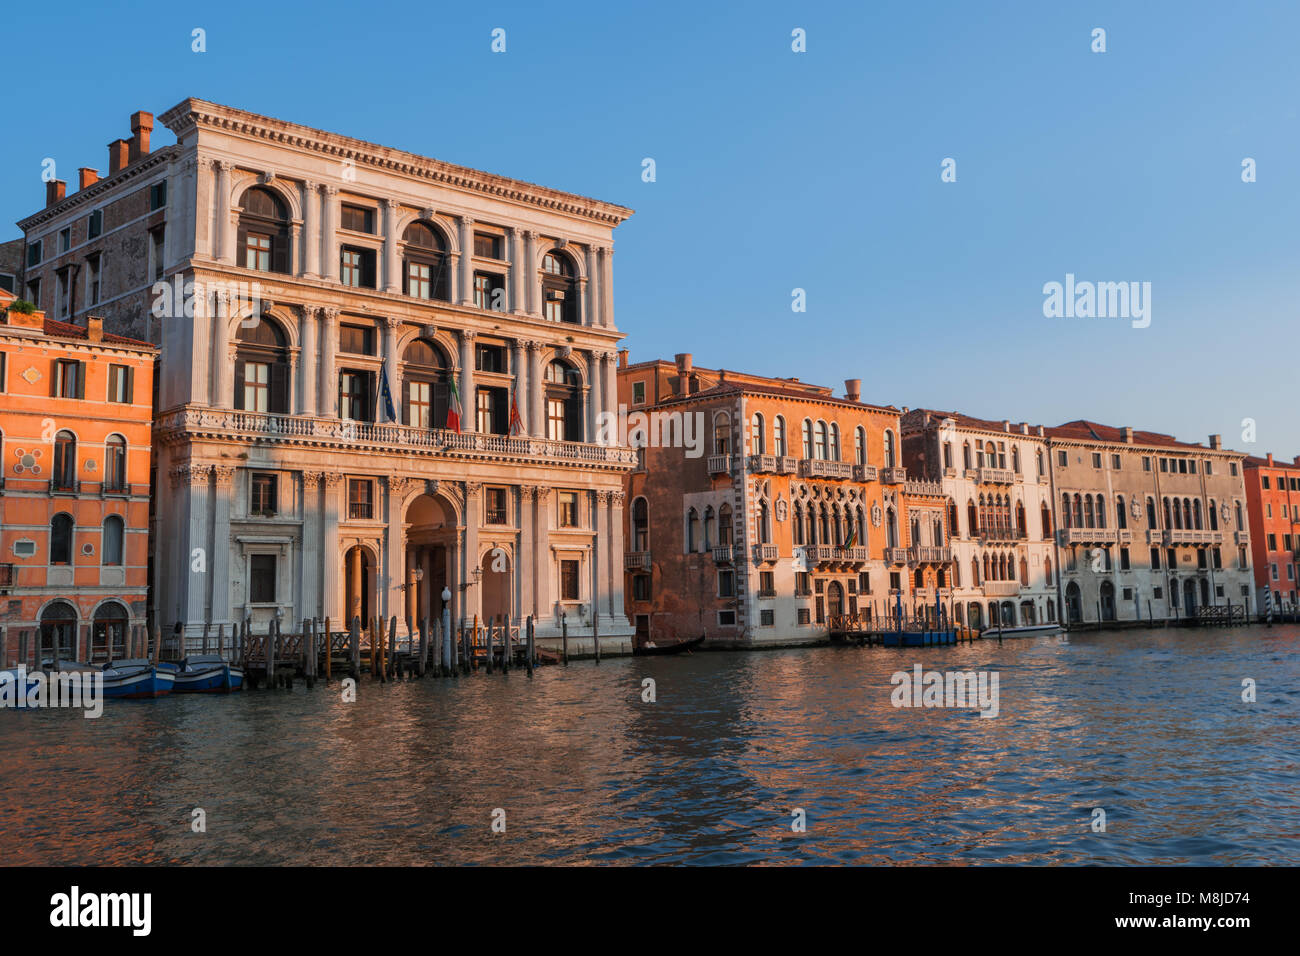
677	647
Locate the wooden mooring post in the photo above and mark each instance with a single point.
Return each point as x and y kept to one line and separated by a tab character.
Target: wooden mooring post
329	649
445	641
595	631
391	660
422	660
530	654
354	646
564	638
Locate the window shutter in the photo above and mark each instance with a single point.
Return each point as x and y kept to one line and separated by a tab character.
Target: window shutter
241	244
406	403
56	380
130	385
573	418
441	405
278	400
81	380
280	253
368	269
239	383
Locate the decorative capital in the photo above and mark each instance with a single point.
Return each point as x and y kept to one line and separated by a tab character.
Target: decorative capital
617	498
331	189
602	498
311	480
467	221
528	492
333	479
391	204
329	313
472	488
223	165
468	335
392	323
543	492
398	485
532	345
205	162
225	475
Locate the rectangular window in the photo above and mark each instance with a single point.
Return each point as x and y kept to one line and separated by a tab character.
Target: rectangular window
119	384
638	393
493	411
1191	466
727	618
419	280
1164	464
355	393
804	616
158	195
640	587
257	252
262	496
491	358
489	291
1182	466
257	388
1209	467
95	224
358	268
1272	542
726	584
61	293
766	617
34	253
494	500
569	580
1232	468
69	379
419	404
1061	459
1155	559
156	245
1146	462
1158	593
802	584
487	246
261	579
92	280
65	239
8	282
360	499
766	584
1096	459
357	339
568	509
358	219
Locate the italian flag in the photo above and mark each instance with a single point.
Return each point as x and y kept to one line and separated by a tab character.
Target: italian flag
454	409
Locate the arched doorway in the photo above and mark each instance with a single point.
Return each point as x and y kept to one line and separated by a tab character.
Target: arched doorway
497	586
1008	614
1073	604
1205	591
1107	601
109	631
1027	614
834	600
358	585
976	615
431	533
1189	597
59	631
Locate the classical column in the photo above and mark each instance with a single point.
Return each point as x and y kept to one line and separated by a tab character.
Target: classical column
172	233
296	254
392	264
536	406
607	288
466	260
311	550
468	399
311	231
328	376
222	379
225	241
329	226
354	585
611	383
600	558
473	518
545	597
593	286
595	394
219	560
518	272
519	364
391	325
616	599
533	289
394	550
527	519
330	557
412	588
203	189
196	478
308	373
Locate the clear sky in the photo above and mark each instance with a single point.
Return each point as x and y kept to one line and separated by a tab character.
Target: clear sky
819	170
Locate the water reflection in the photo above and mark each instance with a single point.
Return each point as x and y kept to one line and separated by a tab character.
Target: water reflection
1148	726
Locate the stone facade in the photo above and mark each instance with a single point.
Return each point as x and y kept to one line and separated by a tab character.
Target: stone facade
1273	512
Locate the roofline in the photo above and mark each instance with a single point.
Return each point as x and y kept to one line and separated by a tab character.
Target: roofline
96	189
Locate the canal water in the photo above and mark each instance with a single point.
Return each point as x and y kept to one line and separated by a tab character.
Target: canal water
1150	727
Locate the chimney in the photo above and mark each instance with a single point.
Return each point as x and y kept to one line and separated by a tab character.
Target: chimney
1296	459
1270	459
1041	432
141	127
55	190
87	177
1216	441
683	360
1024	428
622	358
95	328
1127	433
853	389
118	150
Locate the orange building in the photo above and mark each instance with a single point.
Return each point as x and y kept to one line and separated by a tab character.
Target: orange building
76	411
764	510
1273	509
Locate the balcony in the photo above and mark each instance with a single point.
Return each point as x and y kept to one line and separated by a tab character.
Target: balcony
636	561
1241	537
994	476
762	464
723	554
893	476
950	472
922	554
64	486
766	592
896	556
1155	537
1124	535
818	468
1088	536
719	464
787	465
1000	533
851	555
1001	588
865	473
765	553
1193	536
819	554
918	487
361	437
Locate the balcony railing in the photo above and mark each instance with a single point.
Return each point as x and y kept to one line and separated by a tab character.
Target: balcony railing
1001	533
637	561
918	487
896	556
352	436
723	554
893	476
1241	537
767	592
764	553
865	473
818	468
1001	588
1192	536
1088	536
787	465
851	555
924	554
820	553
762	464
1155	537
719	464
995	476
1124	535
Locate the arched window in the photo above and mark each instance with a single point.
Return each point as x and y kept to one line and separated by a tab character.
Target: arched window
722	434
263	234
1196	514
115	463
426	264
563	402
61	539
559	288
1169	521
1078	512
1047	569
110	625
972	518
953	528
708	528
987	567
860	445
426	394
764	524
916	532
965	455
974	572
1045	514
862	527
807	439
111	546
640	525
1187	513
990	455
1240	525
891	527
757	435
797	525
947	454
1101	512
1015	458
778	437
1024	571
65	460
1151	512
1090	519
262	368
724	526
1039	456
692	528
1021	523
890	461
937	531
833	451
822	438
1213	513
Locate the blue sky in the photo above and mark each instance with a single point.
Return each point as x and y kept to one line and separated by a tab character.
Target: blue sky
818	170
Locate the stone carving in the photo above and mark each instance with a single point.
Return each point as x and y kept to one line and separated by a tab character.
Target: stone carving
876	515
782	509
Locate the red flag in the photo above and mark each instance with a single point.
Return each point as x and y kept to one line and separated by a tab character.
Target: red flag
516	423
454	409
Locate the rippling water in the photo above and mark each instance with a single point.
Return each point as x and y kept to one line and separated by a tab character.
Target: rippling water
1148	726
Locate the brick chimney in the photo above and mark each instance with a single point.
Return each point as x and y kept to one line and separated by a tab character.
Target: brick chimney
1216	441
55	190
1270	459
141	127
683	360
853	389
622	358
87	177
1127	434
94	328
118	151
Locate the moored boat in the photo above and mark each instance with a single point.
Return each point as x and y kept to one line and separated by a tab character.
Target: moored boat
207	674
1029	630
676	647
138	678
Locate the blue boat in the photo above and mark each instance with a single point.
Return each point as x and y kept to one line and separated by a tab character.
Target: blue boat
138	678
13	675
207	674
917	638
